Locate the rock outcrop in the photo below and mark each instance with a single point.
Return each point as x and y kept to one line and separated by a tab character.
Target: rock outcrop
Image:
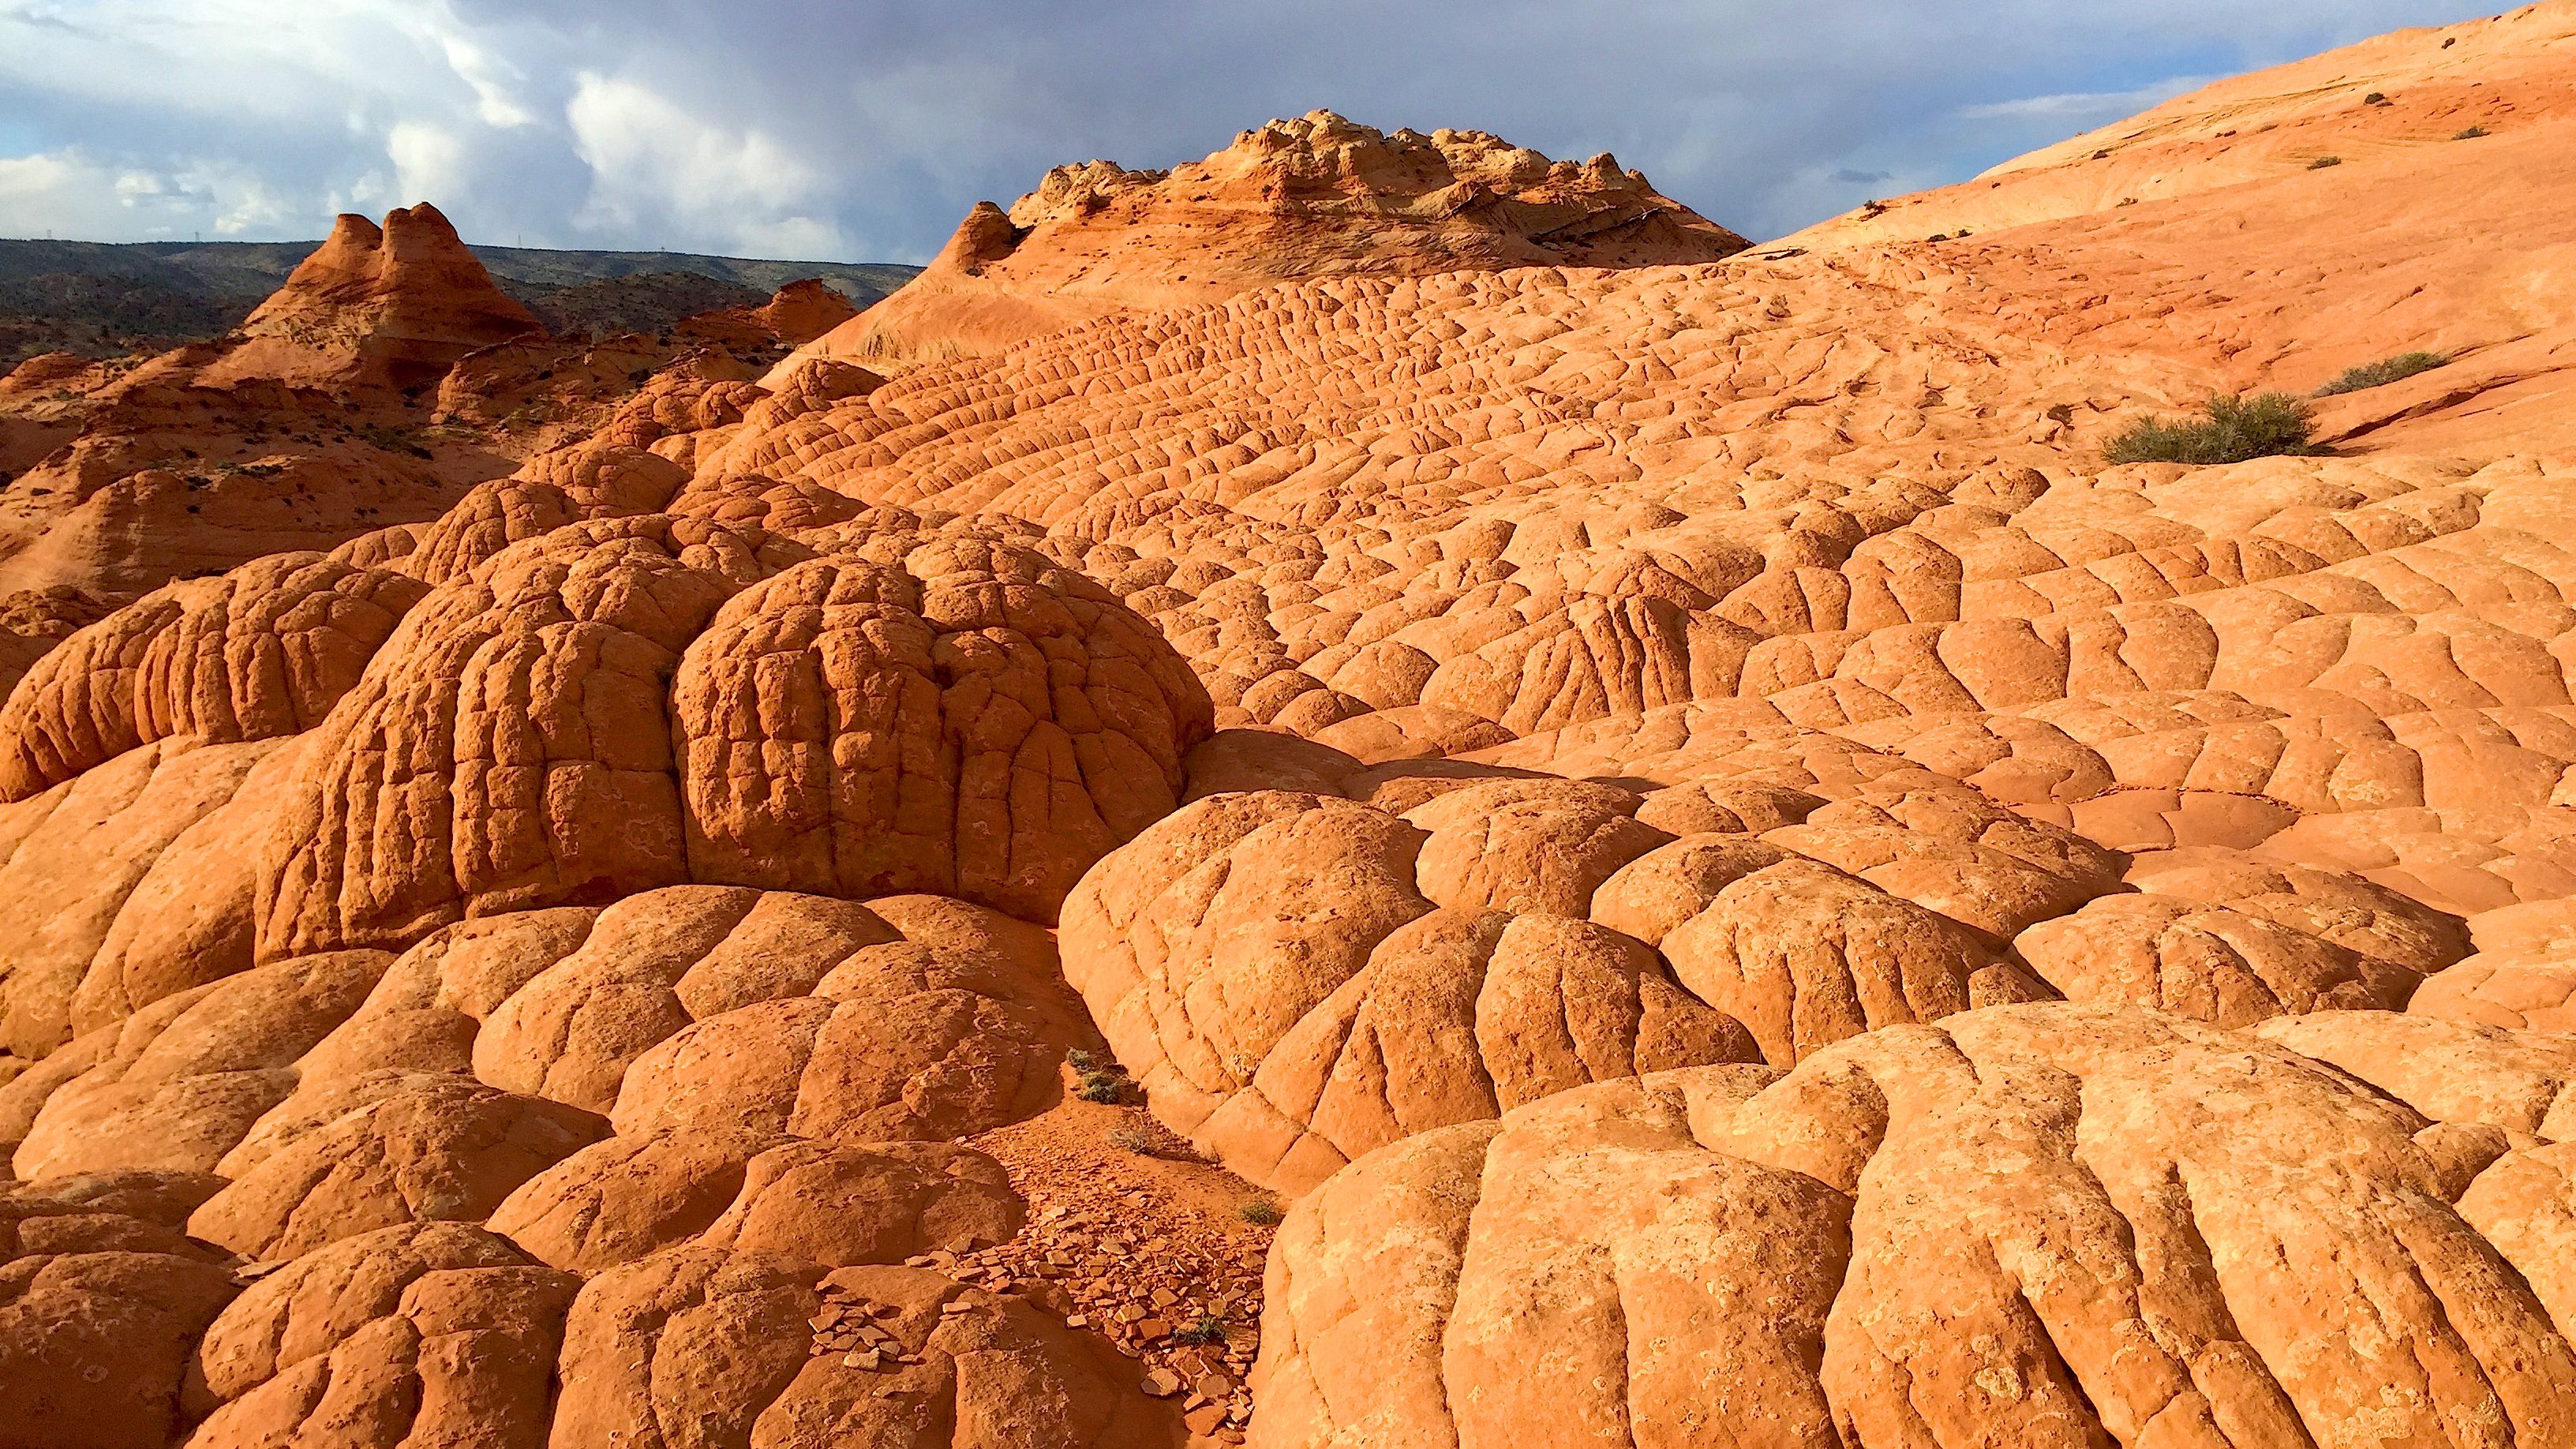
2043	1223
1747	882
387	306
1312	197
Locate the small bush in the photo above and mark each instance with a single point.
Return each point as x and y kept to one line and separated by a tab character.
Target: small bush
2231	430
1210	1329
1263	1212
2322	162
2383	372
1133	1138
1096	1080
2375	98
2471	134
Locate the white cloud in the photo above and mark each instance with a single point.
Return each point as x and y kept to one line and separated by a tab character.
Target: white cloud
491	79
78	195
655	164
428	161
2085	105
864	128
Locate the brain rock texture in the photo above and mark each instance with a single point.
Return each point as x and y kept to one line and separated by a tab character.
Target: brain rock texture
1736	878
642	701
1301	978
496	1173
2039	1224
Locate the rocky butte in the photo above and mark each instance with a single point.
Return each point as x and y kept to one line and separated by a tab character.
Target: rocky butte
1484	830
1319	196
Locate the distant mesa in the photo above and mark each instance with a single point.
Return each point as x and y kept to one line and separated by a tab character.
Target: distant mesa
1312	197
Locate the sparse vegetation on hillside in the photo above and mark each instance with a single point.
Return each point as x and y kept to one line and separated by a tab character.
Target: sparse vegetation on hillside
2230	430
2322	162
391	439
2470	133
2385	371
1263	1212
103	299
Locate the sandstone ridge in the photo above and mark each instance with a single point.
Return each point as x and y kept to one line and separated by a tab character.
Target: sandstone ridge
1310	197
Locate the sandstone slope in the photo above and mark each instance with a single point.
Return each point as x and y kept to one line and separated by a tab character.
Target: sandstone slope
1747	883
1316	196
2403	96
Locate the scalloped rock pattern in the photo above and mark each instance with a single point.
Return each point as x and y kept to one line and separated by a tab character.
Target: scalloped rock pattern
1749	888
2038	1224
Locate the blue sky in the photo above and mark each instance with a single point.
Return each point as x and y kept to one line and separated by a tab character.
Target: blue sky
857	130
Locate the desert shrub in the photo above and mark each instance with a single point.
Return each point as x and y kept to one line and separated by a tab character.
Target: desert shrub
1262	1212
1132	1138
2383	372
2322	162
1096	1080
385	437
1210	1329
2229	430
2469	134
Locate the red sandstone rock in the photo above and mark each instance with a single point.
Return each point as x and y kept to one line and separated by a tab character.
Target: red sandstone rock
392	306
1587	775
1315	196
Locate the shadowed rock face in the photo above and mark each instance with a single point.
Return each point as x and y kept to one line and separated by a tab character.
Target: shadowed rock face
1750	886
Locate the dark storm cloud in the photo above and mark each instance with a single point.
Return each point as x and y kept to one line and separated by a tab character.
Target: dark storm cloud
864	130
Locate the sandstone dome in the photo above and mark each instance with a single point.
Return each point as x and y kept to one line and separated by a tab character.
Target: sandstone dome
1316	196
1728	873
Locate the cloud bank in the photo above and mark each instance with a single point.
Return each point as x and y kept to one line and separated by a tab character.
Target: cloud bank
862	130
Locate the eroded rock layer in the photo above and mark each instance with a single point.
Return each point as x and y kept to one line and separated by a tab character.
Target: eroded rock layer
1312	197
2037	1224
1749	884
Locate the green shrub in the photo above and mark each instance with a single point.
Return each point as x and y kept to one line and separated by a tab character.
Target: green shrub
1262	1212
1210	1329
2470	134
2322	162
2230	430
1129	1137
2383	372
1096	1080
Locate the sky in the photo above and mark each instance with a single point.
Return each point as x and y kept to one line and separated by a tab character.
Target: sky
854	130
